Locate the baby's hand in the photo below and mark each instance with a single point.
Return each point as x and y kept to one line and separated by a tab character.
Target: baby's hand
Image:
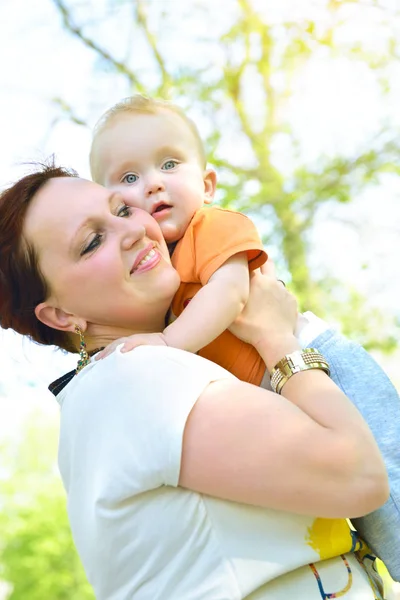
133	341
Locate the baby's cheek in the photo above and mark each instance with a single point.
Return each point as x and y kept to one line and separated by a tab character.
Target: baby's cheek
171	231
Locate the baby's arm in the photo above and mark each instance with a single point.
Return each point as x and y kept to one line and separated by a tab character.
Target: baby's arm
214	308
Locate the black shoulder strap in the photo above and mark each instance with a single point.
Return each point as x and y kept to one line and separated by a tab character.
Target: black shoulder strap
59	384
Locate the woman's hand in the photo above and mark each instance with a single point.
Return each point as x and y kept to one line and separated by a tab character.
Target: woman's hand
271	312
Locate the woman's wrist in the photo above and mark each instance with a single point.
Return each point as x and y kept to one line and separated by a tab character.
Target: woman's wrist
273	349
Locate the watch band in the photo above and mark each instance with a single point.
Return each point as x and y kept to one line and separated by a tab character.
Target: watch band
295	362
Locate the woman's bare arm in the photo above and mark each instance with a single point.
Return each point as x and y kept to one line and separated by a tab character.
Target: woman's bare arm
246	444
308	451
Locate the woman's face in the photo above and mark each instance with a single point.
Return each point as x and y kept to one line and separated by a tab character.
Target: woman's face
105	263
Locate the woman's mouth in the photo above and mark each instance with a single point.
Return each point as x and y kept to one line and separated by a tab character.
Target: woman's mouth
148	262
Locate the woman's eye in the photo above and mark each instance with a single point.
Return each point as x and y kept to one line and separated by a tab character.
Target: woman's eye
170	164
124	211
130	178
92	245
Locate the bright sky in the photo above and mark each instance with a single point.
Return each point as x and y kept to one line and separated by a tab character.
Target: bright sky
336	105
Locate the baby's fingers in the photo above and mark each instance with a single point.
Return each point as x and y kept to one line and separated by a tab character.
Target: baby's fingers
108	350
131	344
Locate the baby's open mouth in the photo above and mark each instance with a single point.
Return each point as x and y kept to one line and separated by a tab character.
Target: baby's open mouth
160	208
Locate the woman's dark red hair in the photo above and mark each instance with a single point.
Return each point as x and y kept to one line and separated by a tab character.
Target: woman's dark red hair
22	285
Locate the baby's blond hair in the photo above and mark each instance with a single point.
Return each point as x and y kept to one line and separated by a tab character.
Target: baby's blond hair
139	104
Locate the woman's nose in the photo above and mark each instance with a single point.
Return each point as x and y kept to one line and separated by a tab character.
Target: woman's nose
132	234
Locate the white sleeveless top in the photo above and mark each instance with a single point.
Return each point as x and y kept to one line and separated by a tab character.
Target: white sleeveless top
141	537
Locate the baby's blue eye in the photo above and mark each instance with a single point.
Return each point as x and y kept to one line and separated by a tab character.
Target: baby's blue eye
130	178
170	164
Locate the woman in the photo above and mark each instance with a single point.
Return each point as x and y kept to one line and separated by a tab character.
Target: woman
182	482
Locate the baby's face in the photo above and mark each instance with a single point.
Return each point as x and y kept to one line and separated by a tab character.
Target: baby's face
153	161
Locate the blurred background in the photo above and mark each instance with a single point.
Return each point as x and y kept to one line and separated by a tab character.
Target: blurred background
298	102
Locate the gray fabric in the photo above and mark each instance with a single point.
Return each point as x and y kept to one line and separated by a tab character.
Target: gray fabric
371	391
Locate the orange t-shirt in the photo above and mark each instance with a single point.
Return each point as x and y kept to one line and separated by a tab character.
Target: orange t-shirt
213	236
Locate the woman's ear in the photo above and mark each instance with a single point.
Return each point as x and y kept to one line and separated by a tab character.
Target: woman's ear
57	318
210	185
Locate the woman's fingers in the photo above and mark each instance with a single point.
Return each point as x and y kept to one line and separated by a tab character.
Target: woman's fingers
268	268
270	312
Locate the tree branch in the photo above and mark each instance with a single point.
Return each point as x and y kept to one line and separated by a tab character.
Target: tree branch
119	66
250	173
151	40
69	112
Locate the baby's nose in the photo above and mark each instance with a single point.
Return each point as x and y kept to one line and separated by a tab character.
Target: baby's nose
154	184
153	189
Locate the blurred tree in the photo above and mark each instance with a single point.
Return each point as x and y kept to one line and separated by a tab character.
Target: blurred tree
238	80
37	555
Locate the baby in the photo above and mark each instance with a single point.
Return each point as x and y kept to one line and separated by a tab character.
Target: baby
151	153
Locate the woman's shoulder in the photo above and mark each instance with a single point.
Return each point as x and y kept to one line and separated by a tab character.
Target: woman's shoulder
133	404
157	369
161	358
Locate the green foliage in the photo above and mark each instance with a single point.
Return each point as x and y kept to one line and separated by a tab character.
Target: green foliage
38	557
268	56
346	306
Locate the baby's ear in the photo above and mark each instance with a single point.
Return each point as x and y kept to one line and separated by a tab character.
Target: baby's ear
210	185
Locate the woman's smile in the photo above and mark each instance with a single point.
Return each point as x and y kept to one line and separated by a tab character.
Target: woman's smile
151	258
